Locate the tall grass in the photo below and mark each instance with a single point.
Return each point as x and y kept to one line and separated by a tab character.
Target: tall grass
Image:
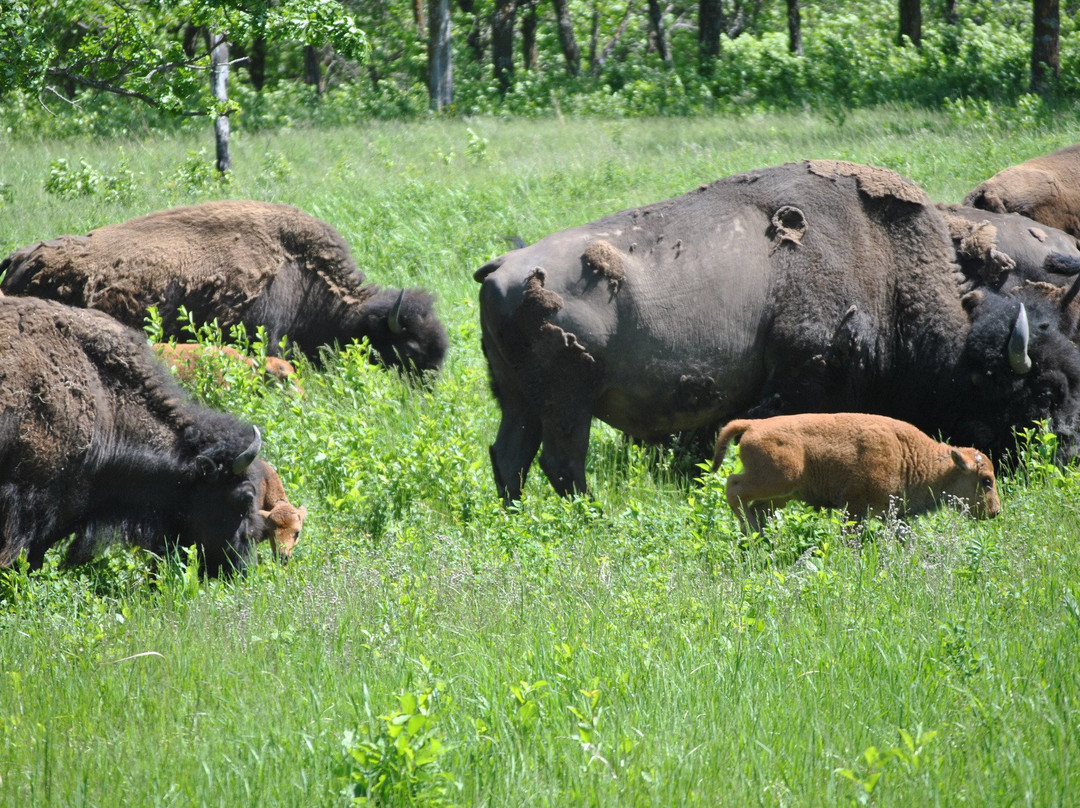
632	650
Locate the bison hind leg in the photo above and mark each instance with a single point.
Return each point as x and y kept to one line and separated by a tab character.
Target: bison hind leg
566	443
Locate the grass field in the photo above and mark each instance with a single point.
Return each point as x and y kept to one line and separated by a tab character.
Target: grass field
628	651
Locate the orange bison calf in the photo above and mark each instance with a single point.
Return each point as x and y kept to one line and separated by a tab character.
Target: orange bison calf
183	358
282	520
860	463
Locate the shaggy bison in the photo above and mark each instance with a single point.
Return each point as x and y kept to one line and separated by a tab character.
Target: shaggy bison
98	440
865	464
1045	188
246	262
813	286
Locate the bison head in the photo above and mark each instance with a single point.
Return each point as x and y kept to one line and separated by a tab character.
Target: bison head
403	330
223	515
1017	368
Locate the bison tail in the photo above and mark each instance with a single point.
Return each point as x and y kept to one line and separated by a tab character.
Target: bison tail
732	431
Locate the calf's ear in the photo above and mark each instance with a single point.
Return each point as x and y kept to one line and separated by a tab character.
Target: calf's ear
961	461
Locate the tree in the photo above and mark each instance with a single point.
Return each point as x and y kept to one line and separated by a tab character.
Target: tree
219	85
136	50
502	42
710	24
656	29
1045	53
567	41
440	67
910	22
794	19
530	56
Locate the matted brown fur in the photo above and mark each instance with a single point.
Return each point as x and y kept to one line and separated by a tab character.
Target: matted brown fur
208	249
1045	188
865	464
872	180
604	259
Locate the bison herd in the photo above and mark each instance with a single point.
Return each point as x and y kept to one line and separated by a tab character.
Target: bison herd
822	288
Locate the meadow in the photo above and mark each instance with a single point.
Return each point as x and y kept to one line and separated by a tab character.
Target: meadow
426	647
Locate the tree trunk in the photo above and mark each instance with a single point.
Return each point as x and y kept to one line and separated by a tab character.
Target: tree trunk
418	16
313	68
257	62
794	26
502	42
710	23
910	22
440	67
1045	46
219	83
570	49
951	17
530	56
656	27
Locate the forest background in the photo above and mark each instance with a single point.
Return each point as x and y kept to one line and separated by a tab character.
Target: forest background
102	66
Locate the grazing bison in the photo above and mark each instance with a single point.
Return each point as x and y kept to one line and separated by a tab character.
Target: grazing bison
237	262
1003	250
1046	189
813	286
864	464
98	440
283	520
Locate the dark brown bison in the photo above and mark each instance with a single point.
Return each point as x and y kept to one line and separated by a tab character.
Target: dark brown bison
246	262
1045	188
865	464
1003	250
98	441
813	286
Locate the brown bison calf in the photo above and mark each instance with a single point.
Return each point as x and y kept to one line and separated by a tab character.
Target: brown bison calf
283	520
184	358
860	463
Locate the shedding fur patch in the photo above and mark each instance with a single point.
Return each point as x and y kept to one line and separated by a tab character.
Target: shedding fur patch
872	180
788	225
978	242
603	258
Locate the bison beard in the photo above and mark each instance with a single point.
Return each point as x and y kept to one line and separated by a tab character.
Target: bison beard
97	440
235	262
810	287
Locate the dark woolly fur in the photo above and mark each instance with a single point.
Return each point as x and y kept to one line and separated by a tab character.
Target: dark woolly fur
233	261
1000	399
97	440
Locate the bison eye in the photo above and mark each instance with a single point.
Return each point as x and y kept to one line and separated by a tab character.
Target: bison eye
987	483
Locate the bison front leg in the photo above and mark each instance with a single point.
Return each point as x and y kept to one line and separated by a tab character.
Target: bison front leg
513	451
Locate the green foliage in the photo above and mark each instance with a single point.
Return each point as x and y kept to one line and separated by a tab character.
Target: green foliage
396	758
67	182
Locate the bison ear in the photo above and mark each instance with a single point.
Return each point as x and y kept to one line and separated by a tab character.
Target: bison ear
204	466
961	462
971	300
302	512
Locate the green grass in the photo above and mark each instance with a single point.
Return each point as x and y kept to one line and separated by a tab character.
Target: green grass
630	651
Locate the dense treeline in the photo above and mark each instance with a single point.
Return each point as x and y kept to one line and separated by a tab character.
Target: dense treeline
74	65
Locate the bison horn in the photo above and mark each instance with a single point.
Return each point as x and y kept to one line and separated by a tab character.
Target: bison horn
393	319
1019	360
245	458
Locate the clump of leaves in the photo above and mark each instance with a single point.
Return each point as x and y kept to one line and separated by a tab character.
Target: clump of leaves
70	182
396	758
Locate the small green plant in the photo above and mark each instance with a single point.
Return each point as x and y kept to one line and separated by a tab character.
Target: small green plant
197	175
875	762
477	147
396	758
68	182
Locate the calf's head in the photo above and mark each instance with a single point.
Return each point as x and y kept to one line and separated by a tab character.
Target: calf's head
972	484
282	528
